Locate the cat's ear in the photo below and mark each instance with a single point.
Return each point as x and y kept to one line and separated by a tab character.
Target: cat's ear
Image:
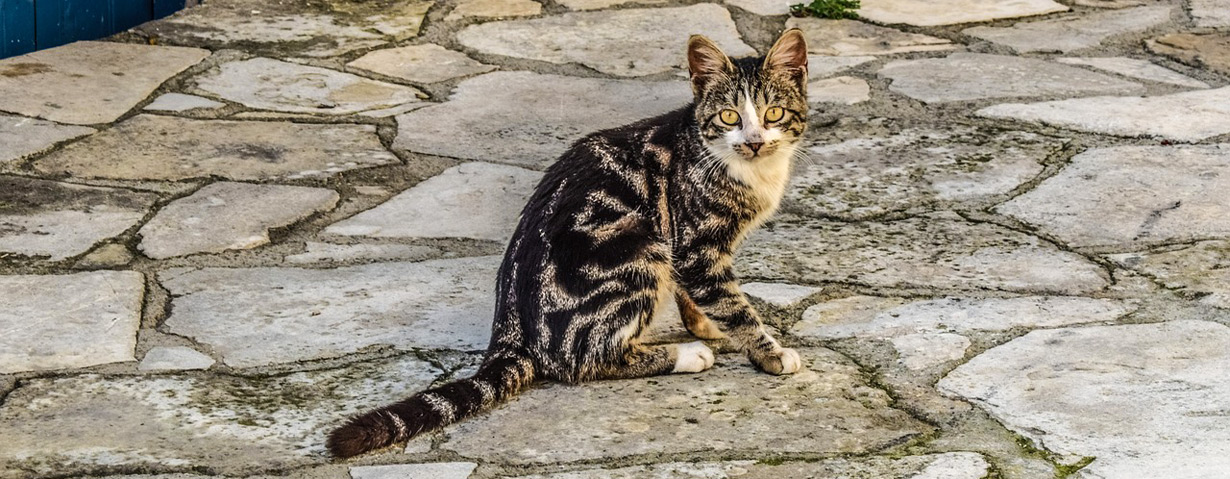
706	62
789	54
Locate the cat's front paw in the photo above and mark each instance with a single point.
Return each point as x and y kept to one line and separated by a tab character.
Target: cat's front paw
693	357
781	361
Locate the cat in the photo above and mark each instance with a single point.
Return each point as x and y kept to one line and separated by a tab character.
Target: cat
628	219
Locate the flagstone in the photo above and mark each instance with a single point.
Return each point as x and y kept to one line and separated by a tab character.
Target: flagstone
339	253
764	7
1132	194
179	102
821	66
258	316
600	4
1139	69
840	90
1117	394
60	220
976	76
509	117
927	13
25	137
855	38
276	85
51	322
154	147
600	40
427	63
933	251
1200	271
1074	32
86	83
952	465
174	358
924	350
1189	116
472	200
1209	51
228	216
494	9
1210	13
782	295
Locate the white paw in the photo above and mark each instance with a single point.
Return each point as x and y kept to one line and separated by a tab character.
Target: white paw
694	357
791	362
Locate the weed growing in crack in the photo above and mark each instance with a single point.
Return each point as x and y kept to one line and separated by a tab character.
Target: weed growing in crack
835	9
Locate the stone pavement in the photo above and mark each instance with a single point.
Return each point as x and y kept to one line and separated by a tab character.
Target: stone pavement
1005	252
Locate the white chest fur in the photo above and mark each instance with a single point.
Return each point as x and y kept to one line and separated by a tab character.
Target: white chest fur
766	178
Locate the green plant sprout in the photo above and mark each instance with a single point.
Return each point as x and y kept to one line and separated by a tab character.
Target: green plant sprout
835	9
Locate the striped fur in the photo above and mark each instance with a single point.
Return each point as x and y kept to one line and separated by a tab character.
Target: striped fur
627	219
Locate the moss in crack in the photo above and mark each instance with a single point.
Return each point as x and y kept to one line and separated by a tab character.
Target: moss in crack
1062	471
835	9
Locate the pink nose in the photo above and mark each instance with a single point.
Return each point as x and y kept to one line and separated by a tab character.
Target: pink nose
754	146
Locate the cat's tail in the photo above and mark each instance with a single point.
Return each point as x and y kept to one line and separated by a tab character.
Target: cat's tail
499	378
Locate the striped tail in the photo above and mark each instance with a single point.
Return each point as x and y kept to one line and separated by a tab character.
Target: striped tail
500	378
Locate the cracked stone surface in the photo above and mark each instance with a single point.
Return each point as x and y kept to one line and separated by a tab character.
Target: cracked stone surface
175	358
682	413
1190	116
951	12
976	76
1139	69
427	63
865	177
60	220
88	82
1210	51
840	90
439	470
151	147
24	137
276	85
308	28
335	253
600	4
178	102
494	9
935	251
855	38
763	7
508	116
952	465
1210	13
1132	194
924	350
1073	32
1078	392
883	317
820	66
1200	271
472	200
232	425
227	216
259	316
778	294
596	39
77	320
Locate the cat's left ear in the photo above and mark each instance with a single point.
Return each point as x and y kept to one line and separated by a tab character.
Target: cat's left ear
789	55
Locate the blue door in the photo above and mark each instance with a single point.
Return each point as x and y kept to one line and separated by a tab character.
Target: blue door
28	25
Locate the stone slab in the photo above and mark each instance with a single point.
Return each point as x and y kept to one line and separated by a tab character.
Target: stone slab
933	251
1132	194
840	91
1210	13
25	137
1145	400
855	38
1200	271
1188	116
427	63
905	169
258	316
179	102
1073	32
628	43
874	317
174	358
228	216
1139	69
232	426
472	200
494	9
953	465
439	470
763	7
291	28
60	220
782	295
1209	51
78	320
338	253
509	117
268	84
151	147
924	350
977	76
927	13
88	82
601	4
821	66
1110	3
827	408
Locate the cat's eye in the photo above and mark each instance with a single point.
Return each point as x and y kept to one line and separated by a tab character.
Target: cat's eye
774	114
729	117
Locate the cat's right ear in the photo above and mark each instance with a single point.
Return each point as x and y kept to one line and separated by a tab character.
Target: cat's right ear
706	62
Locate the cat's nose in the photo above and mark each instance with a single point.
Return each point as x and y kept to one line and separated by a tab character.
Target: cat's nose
754	146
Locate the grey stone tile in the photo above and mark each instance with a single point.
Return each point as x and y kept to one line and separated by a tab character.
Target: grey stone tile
840	90
68	321
24	137
427	63
60	220
494	9
951	12
1139	69
600	4
953	465
174	358
1210	13
276	85
821	66
778	294
179	102
438	470
337	253
976	76
1200	271
1073	32
763	7
1189	116
855	38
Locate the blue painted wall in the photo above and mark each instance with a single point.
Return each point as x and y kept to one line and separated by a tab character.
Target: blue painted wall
28	25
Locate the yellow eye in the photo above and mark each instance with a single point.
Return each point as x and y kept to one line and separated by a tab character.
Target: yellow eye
729	117
774	114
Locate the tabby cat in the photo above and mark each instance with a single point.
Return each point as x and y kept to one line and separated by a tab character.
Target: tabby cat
627	219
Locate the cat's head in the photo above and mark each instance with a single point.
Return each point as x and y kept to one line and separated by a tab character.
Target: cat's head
750	108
